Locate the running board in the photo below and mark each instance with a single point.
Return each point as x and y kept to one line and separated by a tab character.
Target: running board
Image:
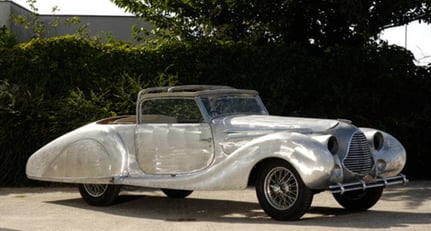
362	185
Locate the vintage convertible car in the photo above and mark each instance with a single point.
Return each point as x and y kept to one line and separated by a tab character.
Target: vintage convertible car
204	137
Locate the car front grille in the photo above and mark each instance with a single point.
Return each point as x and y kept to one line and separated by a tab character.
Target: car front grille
359	159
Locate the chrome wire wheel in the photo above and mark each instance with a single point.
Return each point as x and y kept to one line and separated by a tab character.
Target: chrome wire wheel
99	194
281	188
96	190
281	191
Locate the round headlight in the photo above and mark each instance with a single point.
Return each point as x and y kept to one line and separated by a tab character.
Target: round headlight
333	145
378	141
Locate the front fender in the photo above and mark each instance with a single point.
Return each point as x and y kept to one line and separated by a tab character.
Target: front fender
391	158
91	154
312	160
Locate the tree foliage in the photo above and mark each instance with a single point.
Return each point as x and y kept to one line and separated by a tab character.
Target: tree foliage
7	38
319	23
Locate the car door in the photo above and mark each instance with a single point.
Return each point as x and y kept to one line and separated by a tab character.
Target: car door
172	137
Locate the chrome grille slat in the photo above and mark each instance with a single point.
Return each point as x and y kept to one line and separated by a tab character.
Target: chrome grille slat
358	159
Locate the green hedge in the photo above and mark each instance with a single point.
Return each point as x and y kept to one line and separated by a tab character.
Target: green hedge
49	87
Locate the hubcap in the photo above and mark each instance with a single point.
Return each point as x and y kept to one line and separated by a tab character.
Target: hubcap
281	188
96	190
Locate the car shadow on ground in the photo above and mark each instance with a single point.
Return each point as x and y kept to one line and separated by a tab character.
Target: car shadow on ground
228	211
415	194
372	219
168	209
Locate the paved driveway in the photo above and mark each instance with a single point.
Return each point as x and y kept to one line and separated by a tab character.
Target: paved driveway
401	208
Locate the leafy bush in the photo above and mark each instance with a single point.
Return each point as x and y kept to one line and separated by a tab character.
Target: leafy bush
51	86
7	38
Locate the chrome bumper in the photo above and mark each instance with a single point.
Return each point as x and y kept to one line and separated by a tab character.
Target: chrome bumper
362	184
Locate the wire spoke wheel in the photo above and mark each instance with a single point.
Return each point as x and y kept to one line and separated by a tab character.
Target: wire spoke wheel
96	190
281	188
281	191
99	194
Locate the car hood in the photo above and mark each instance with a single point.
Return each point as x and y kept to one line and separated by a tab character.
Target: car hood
233	124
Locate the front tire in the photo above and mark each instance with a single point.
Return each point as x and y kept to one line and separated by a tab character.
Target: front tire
359	200
281	191
175	193
99	194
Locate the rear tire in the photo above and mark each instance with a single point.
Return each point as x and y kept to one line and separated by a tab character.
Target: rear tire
359	200
99	194
281	191
175	193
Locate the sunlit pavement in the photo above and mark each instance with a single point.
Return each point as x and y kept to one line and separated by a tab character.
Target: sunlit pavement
401	208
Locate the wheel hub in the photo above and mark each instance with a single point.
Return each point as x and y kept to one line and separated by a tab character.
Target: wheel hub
280	189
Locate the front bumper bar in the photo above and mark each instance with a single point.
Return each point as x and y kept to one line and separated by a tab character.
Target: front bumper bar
363	185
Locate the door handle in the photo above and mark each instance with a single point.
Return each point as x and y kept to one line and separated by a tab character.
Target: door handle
207	140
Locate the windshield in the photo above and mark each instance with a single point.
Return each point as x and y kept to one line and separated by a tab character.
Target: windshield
233	104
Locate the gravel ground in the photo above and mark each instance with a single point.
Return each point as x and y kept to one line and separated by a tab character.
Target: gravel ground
401	208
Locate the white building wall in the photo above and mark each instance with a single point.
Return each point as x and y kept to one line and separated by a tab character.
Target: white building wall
120	27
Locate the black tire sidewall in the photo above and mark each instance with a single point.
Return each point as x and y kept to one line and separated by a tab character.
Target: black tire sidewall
359	200
176	193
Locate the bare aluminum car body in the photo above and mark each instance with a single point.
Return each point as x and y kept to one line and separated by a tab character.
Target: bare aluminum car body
206	151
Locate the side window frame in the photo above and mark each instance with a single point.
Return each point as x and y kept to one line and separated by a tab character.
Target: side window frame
165	117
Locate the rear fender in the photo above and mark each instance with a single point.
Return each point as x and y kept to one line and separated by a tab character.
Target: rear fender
91	154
